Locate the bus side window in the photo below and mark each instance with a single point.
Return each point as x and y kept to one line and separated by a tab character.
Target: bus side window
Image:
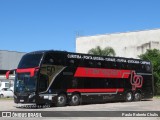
107	65
91	64
71	62
81	63
106	83
129	66
138	67
133	66
123	66
98	64
87	83
96	83
114	65
143	68
119	65
74	83
54	59
43	82
88	63
103	64
148	68
48	59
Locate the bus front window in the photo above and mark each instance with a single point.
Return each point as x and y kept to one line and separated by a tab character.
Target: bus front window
25	83
30	61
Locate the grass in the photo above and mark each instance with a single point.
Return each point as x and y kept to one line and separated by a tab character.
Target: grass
157	96
6	98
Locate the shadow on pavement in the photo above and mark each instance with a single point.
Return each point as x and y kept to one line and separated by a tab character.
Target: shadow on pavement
34	106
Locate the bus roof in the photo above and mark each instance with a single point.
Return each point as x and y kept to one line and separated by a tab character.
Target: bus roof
66	53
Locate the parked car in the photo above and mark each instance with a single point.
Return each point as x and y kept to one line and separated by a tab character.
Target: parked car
6	92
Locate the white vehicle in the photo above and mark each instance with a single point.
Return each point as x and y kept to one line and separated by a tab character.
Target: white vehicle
4	84
6	92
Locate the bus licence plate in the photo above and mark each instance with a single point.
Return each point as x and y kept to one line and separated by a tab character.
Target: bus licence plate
21	100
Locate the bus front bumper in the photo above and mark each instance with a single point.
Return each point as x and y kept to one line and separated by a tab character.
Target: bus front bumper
24	99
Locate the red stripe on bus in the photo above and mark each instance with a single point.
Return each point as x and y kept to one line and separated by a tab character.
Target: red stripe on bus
27	70
110	90
101	73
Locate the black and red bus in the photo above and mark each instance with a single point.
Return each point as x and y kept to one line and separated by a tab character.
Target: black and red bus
60	78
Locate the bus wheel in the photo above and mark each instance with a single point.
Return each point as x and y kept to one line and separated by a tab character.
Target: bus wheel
61	100
137	96
129	97
75	100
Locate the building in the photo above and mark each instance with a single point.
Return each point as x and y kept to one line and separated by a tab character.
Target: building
8	61
127	44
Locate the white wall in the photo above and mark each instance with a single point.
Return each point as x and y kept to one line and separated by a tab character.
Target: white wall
129	44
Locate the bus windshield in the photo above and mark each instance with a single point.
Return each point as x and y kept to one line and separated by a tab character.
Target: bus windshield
25	83
30	61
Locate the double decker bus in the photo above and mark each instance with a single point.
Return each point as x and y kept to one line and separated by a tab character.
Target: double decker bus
60	78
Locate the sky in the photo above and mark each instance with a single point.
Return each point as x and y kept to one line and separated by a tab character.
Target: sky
31	25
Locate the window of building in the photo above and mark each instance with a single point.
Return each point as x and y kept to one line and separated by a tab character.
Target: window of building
7	85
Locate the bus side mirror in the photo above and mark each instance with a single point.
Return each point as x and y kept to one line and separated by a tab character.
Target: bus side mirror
8	72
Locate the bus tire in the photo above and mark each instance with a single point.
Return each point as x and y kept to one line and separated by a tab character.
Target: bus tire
129	97
75	100
137	96
61	100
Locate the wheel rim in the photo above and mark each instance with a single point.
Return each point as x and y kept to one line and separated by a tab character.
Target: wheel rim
137	96
75	99
61	99
129	96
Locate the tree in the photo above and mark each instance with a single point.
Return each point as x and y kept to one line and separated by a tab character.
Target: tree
154	57
107	51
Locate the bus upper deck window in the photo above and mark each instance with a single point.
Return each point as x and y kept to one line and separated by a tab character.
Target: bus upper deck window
148	68
71	61
91	64
99	64
51	61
